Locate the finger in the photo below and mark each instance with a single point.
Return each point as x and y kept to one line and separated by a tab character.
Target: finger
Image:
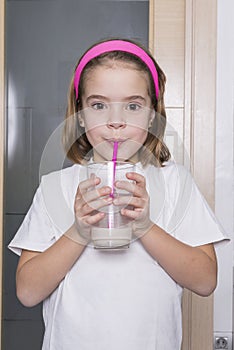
87	184
136	202
136	190
94	219
131	214
96	193
87	190
100	203
89	208
138	178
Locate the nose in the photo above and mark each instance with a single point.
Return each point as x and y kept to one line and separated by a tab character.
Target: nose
116	118
116	124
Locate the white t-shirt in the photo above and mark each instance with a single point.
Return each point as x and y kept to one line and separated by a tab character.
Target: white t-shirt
122	299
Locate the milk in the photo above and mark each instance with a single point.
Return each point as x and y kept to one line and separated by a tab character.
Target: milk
111	237
114	230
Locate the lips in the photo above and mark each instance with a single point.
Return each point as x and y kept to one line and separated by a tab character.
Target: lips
112	142
116	140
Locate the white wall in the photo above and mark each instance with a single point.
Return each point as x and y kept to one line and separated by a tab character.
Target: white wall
223	308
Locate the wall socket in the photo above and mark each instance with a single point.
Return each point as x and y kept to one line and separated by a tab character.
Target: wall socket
222	342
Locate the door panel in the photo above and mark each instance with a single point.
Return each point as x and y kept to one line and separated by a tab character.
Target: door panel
44	41
183	40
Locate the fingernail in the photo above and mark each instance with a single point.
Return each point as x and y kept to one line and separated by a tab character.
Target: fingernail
106	189
116	201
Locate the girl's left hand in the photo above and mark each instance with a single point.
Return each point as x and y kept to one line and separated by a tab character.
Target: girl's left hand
139	201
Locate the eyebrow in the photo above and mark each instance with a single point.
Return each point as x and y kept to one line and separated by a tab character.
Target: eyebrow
101	97
135	97
96	97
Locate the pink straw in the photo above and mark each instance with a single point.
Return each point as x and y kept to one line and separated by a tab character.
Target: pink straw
114	159
115	150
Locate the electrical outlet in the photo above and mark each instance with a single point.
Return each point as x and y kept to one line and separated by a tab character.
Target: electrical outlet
221	343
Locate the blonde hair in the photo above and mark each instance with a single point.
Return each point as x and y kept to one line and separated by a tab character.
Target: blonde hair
75	141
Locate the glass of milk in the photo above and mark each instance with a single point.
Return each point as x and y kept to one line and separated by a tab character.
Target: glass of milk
114	231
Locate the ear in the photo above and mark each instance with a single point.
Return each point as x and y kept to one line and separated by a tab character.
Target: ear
151	117
81	120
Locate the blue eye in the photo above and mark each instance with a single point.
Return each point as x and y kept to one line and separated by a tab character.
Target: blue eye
133	107
98	106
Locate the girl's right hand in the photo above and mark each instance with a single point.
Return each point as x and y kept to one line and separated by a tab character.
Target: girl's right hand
88	201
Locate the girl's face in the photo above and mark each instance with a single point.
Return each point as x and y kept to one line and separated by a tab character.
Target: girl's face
116	107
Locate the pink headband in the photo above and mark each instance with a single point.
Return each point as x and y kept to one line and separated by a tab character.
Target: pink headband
116	45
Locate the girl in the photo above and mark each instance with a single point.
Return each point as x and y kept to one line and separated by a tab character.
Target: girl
129	299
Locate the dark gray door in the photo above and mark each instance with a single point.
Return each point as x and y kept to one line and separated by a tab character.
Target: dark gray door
44	40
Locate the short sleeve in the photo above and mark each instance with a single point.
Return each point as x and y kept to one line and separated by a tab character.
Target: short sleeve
36	232
199	225
51	213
